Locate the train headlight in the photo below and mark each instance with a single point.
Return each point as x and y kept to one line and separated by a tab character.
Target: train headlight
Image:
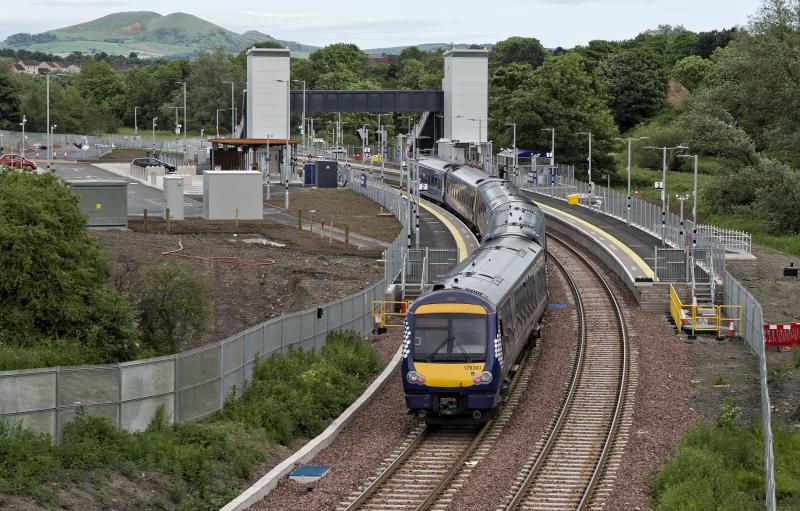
415	377
483	378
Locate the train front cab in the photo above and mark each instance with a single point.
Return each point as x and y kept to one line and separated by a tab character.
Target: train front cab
452	360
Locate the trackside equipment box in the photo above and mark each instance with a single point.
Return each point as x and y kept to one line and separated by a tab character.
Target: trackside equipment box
327	174
104	202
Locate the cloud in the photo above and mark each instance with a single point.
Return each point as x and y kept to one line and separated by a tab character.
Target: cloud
81	3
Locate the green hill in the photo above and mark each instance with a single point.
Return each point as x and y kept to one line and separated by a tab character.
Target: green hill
147	33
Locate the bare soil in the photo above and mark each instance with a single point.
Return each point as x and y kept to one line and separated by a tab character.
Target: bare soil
123	155
342	207
778	295
307	271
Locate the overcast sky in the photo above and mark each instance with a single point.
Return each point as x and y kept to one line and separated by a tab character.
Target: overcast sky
373	23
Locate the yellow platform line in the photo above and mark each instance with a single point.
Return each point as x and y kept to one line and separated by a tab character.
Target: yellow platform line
625	248
460	244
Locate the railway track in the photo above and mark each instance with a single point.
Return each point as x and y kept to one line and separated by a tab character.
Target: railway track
569	462
428	469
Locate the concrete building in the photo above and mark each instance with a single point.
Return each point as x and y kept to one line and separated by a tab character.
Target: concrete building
267	99
466	95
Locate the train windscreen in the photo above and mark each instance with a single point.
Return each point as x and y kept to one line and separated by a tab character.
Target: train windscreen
450	337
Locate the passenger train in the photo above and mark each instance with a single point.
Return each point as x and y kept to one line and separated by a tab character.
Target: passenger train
462	339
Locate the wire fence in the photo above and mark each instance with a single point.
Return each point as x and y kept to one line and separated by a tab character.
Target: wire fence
192	384
712	244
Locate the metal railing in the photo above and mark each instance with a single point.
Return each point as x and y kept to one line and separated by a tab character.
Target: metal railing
192	384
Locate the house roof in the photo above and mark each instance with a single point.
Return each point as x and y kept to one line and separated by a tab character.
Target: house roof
29	63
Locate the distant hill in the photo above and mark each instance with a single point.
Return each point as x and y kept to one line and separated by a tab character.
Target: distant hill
149	34
395	50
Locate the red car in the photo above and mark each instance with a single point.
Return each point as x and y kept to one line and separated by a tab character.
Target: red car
16	161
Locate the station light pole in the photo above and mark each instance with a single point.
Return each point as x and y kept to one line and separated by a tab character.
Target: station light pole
24	121
304	110
49	143
435	138
591	183
513	125
154	132
286	152
233	111
135	120
552	156
629	140
664	189
694	221
185	126
218	111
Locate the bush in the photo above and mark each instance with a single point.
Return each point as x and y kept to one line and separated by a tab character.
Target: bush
172	305
52	273
659	136
295	394
710	132
691	71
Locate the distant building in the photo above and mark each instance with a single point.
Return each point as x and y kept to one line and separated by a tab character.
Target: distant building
32	67
381	58
122	68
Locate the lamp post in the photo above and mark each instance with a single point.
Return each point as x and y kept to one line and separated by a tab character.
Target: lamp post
185	126
629	140
514	145
304	110
154	132
552	156
694	200
286	152
135	120
218	111
24	121
664	189
591	183
233	111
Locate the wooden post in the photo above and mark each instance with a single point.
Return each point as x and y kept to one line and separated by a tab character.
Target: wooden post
300	219
330	234
346	234
237	219
168	226
145	219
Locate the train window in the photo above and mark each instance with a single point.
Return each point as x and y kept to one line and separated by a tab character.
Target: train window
450	337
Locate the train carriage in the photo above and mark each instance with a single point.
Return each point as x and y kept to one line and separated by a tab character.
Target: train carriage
462	339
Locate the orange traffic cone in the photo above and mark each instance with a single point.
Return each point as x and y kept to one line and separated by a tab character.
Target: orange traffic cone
731	330
65	155
37	155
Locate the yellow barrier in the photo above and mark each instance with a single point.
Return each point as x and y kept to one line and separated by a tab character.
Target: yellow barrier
705	318
573	199
384	310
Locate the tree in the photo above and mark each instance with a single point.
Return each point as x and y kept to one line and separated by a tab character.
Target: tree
52	273
520	50
707	42
564	93
681	46
635	85
10	108
173	307
691	71
339	58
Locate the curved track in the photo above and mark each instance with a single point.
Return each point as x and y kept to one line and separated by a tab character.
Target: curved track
569	464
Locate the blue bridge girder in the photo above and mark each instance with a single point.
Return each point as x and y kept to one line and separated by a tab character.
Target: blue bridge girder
372	101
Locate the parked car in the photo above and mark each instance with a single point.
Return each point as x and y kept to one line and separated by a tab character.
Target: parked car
17	161
153	162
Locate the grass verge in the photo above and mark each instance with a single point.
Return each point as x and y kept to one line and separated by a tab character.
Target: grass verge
192	465
721	467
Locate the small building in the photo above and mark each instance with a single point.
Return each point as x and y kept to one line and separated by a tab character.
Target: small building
246	153
29	67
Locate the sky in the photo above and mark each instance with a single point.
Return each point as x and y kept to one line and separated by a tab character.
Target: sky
371	24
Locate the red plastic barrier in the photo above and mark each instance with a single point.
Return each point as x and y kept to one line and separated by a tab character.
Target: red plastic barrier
781	335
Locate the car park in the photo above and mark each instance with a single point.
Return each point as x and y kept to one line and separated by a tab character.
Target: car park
153	162
17	161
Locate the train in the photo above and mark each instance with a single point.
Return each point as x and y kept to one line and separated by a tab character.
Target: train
463	338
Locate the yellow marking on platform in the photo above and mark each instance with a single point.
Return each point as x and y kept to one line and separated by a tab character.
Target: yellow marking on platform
648	272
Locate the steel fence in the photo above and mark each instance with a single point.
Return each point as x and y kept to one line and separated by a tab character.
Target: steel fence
192	384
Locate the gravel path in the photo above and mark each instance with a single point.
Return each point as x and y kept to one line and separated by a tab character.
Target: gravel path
491	480
357	451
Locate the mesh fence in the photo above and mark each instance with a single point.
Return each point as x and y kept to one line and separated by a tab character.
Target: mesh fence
192	384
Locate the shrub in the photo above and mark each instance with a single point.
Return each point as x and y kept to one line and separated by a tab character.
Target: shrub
52	274
172	307
297	393
659	136
691	71
710	133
